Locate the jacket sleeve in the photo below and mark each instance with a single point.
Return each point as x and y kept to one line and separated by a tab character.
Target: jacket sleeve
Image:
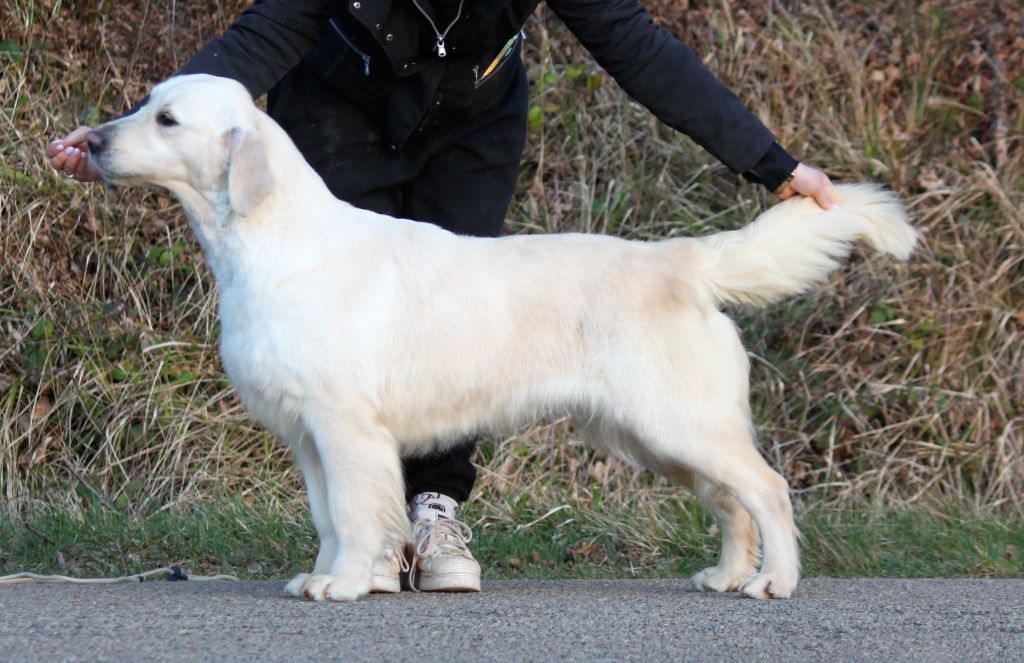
264	43
667	77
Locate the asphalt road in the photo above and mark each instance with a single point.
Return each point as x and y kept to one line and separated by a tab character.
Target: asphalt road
648	620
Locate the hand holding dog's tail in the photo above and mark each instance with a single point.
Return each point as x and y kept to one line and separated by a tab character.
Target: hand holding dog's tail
795	244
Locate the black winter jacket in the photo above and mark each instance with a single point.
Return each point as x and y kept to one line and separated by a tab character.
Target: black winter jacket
383	55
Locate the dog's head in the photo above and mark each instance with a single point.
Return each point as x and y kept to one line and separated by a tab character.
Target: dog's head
196	135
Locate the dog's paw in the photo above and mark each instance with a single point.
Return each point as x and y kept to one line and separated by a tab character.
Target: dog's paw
329	588
296	584
716	579
768	586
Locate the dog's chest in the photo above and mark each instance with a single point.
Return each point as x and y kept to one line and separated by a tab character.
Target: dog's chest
261	358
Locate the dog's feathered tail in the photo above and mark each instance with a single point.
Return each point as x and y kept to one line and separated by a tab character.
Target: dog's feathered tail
795	244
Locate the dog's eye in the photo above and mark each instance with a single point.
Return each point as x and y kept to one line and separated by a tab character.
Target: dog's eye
165	119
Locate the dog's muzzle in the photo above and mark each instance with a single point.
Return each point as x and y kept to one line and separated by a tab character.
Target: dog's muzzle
97	141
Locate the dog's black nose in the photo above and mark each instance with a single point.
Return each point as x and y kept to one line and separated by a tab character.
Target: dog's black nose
96	140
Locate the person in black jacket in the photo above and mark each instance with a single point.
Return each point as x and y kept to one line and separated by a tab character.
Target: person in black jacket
417	109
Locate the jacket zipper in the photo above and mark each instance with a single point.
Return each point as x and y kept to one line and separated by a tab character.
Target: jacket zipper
344	37
441	51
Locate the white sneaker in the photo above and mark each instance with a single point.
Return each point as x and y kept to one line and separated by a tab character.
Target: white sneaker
387	569
442	562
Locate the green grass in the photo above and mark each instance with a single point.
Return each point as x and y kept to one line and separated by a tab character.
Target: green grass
260	541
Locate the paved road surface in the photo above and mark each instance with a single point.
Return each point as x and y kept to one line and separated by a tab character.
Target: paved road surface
642	620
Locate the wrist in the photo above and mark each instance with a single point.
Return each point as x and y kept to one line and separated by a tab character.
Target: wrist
779	190
772	169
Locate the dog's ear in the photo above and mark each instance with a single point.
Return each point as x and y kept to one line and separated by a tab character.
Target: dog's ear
248	173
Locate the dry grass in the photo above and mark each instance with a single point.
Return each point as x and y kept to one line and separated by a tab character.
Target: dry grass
894	384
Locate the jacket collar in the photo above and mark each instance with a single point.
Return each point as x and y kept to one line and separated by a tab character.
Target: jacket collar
487	8
372	13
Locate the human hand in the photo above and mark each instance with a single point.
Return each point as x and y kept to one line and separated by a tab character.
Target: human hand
811	182
70	155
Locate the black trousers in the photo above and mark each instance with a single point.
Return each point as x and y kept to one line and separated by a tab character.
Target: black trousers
458	176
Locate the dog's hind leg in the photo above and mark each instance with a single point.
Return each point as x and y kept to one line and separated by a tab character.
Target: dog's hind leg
739	557
308	459
739	537
718	447
365	502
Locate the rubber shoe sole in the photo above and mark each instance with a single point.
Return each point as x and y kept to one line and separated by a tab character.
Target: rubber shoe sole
448	582
384	584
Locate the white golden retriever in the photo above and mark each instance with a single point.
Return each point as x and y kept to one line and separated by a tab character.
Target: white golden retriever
358	338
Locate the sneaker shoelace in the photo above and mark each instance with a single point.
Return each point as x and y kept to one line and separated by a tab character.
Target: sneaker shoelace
396	551
432	537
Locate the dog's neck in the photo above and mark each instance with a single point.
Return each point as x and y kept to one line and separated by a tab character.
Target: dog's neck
220	228
210	217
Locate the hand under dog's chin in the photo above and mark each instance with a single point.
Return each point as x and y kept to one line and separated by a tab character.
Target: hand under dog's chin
107	176
114	178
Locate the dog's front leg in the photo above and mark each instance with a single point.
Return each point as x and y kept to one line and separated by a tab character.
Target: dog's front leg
364	497
308	459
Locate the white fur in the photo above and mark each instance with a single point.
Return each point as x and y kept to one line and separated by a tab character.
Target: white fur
357	338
